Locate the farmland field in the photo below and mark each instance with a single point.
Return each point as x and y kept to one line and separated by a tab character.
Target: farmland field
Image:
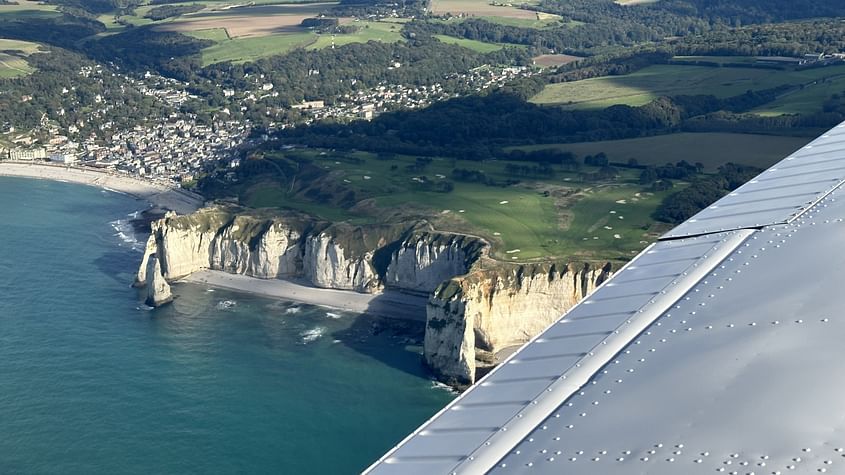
212	34
717	59
384	31
807	100
25	8
551	60
474	45
480	8
255	21
643	86
249	49
252	48
711	149
13	55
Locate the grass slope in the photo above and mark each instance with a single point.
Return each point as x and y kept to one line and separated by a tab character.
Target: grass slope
643	86
385	32
25	8
808	100
711	149
474	45
240	50
13	55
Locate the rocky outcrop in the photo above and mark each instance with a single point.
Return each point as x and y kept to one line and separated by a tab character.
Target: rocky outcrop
158	290
473	309
502	306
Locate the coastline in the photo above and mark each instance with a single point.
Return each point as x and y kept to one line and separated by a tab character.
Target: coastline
389	304
157	194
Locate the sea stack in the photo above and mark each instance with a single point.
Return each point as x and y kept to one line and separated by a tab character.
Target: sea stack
158	290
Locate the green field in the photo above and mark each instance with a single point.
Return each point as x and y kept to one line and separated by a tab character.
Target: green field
717	59
241	50
545	20
28	8
474	45
711	149
534	220
217	35
13	55
807	100
643	86
383	31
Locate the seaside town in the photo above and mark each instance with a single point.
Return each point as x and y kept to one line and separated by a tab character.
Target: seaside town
177	149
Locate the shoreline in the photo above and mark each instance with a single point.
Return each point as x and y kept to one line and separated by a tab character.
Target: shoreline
156	194
391	304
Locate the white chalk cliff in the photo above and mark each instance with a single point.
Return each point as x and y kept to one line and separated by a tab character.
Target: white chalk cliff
490	310
470	311
158	290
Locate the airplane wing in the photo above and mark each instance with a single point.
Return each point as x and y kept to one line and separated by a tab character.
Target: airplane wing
718	349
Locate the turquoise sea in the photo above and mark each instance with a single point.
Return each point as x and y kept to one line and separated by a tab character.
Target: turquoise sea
92	382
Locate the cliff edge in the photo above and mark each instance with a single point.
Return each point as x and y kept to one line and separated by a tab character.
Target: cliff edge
477	306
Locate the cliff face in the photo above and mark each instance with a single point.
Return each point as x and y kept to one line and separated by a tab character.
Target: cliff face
363	259
493	309
470	313
158	290
424	260
326	264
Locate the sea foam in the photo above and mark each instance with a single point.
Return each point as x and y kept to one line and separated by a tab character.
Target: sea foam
124	230
313	334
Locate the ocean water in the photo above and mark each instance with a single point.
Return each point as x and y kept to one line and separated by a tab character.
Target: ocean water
218	382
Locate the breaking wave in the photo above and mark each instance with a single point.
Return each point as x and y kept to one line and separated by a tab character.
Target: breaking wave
312	335
124	230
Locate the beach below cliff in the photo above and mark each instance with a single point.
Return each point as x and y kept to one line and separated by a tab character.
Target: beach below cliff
388	304
157	194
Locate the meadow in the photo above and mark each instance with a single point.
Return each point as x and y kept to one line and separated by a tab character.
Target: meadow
28	8
643	86
474	45
807	100
246	22
710	149
13	55
239	50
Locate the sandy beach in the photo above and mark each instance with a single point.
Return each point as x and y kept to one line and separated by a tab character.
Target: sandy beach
157	194
390	304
